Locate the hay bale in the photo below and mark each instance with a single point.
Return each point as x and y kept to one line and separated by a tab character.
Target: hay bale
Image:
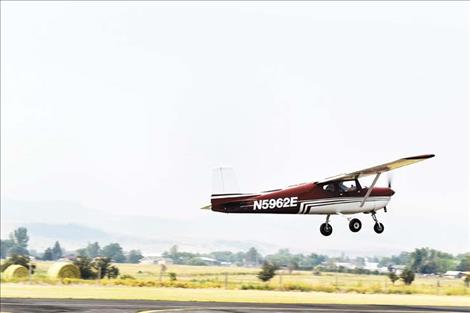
63	270
15	271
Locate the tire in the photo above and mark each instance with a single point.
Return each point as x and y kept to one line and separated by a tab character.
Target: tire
379	228
355	225
325	229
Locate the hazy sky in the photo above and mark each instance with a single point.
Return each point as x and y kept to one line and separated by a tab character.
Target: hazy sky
127	107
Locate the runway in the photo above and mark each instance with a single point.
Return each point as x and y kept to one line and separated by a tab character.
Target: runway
15	305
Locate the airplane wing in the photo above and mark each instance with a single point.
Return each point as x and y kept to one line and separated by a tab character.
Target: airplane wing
378	169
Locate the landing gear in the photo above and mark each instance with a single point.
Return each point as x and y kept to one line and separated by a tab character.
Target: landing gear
326	229
378	227
355	225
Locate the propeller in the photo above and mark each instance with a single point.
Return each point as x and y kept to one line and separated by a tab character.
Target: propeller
389	180
389	183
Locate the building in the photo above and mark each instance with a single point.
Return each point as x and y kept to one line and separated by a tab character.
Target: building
454	274
155	260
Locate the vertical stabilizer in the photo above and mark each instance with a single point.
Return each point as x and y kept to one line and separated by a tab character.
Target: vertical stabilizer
224	181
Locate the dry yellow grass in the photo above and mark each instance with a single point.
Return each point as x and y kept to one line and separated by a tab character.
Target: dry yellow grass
240	277
220	295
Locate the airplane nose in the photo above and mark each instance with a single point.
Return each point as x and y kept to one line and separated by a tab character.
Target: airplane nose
391	191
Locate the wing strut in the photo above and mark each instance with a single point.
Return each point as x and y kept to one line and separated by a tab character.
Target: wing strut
370	189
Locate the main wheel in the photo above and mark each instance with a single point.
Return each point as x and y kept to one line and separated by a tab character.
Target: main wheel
355	225
379	228
326	229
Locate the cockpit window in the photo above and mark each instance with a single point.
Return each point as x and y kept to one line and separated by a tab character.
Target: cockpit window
347	186
329	187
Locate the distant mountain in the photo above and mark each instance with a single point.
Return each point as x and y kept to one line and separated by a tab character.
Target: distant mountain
50	211
75	225
67	232
73	236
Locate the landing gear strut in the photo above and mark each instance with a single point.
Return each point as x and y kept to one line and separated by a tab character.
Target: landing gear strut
355	225
326	229
378	227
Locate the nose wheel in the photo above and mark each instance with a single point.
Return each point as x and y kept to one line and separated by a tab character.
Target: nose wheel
326	229
378	227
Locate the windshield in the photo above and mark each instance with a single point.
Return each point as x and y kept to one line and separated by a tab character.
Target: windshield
347	186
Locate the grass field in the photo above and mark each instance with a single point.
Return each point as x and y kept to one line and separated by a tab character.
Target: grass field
221	295
233	280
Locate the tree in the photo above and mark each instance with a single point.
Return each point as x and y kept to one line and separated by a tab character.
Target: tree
313	260
282	257
134	256
267	271
401	259
84	263
360	261
173	253
114	252
19	238
23	260
93	250
223	256
179	257
252	256
48	255
5	246
103	266
393	277
89	269
81	252
430	261
464	265
56	251
408	276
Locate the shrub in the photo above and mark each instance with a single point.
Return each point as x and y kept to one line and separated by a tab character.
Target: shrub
393	277
408	276
256	287
172	276
297	287
126	276
267	271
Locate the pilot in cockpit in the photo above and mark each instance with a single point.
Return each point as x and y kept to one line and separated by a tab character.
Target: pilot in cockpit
344	188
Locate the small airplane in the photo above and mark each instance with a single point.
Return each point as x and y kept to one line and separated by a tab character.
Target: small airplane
341	194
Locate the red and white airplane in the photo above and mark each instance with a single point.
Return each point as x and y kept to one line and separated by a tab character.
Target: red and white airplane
341	194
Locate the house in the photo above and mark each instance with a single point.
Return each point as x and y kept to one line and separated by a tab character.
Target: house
454	274
155	260
209	261
346	265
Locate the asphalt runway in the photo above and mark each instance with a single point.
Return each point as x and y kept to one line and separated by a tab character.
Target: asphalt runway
14	305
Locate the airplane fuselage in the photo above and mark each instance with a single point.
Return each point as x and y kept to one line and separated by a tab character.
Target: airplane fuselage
308	198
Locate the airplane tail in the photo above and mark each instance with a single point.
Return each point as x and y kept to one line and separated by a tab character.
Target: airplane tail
224	185
224	181
225	189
